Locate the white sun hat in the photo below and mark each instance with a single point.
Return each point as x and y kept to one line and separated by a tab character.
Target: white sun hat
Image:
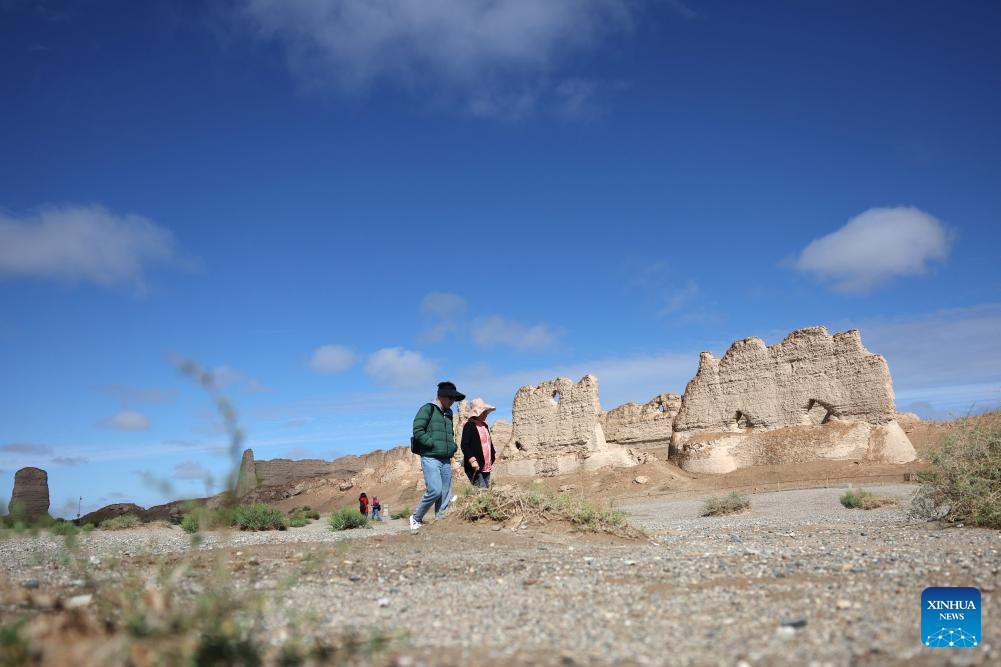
480	408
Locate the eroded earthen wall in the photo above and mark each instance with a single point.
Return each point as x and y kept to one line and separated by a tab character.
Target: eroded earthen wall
30	498
643	426
812	396
557	429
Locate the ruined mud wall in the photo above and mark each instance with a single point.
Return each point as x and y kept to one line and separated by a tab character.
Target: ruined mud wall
643	426
812	396
557	429
29	500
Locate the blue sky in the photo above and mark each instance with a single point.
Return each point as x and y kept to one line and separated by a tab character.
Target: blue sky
336	204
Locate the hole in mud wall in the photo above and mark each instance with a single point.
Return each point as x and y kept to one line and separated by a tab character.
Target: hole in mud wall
556	396
818	412
742	420
520	447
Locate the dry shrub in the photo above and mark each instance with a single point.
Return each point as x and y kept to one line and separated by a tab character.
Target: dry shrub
865	500
121	522
963	479
731	503
347	518
507	503
259	516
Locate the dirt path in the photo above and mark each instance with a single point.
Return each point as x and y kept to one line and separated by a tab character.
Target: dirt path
797	580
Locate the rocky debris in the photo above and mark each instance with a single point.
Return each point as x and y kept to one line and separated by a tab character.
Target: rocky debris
729	595
276	472
643	426
112	511
29	500
171	512
812	396
557	430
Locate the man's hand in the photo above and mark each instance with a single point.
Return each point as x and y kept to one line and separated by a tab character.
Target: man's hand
473	462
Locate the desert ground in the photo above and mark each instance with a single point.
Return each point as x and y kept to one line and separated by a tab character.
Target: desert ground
796	580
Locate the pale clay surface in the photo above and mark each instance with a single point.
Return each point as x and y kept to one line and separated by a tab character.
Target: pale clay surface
812	396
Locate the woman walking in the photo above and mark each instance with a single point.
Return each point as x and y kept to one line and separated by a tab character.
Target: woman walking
478	451
363	504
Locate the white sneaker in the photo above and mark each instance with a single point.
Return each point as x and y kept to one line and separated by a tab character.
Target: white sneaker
454	498
414	523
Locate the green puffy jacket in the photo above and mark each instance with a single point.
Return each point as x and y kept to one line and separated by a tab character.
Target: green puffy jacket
433	429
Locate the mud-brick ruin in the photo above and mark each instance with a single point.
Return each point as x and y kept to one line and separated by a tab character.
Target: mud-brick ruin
29	500
557	429
811	397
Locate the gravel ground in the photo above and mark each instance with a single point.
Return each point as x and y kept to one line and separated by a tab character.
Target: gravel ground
797	580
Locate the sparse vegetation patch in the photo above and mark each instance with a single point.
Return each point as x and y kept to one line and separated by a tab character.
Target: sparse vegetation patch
347	518
259	516
731	503
121	522
510	503
963	479
866	500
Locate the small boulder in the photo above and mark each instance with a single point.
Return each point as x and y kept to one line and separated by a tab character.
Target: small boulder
641	479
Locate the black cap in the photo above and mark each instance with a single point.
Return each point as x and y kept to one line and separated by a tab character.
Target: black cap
448	390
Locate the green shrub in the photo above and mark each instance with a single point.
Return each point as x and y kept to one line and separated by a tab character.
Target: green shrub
189	523
402	514
346	518
121	522
298	521
87	527
259	516
307	513
963	479
731	503
505	503
859	499
64	528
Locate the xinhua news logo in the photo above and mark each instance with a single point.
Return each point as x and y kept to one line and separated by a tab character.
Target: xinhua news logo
950	617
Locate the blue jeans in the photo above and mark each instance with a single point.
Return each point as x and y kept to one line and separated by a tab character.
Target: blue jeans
438	479
481	480
375	515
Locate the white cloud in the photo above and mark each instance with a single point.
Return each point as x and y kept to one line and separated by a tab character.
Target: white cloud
396	367
680	298
83	243
876	246
332	359
445	312
225	377
126	420
190	470
443	305
496	58
496	330
70	460
945	348
127	394
26	449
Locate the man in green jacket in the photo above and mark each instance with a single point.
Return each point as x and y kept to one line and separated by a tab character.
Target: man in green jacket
435	442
